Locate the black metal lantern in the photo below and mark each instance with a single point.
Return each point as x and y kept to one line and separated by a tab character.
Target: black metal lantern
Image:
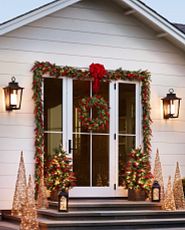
171	105
13	95
63	199
156	192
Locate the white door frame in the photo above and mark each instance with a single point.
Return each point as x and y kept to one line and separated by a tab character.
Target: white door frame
113	190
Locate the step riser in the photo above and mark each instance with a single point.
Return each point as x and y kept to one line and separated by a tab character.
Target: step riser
116	227
106	214
126	217
121	207
110	208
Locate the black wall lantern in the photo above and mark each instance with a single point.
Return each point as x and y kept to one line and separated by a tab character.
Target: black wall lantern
13	95
156	192
63	201
171	105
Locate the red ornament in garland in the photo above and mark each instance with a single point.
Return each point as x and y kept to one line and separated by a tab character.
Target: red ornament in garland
97	71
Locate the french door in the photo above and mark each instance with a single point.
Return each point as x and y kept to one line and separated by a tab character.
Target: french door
98	156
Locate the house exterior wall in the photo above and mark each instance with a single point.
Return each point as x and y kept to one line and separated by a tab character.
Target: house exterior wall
90	31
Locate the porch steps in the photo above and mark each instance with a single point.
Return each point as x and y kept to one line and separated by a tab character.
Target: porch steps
89	214
107	204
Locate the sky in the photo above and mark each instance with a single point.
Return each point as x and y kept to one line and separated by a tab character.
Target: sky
173	10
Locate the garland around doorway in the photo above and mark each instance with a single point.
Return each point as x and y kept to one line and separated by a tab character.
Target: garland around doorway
97	74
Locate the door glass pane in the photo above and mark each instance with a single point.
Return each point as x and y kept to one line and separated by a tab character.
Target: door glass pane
81	142
52	141
126	125
53	104
80	89
127	108
91	152
104	92
100	160
52	114
81	159
125	145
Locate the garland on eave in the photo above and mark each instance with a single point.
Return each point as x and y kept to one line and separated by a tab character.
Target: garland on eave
45	68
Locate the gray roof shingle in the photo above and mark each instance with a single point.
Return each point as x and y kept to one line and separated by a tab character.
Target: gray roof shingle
180	26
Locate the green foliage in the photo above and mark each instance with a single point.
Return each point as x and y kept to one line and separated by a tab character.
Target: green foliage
45	68
137	173
59	175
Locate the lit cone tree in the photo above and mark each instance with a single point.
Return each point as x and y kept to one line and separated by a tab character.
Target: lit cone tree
178	189
20	189
42	201
29	219
169	201
158	176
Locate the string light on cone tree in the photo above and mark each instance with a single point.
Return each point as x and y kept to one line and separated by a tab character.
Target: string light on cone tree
178	189
169	202
97	74
158	175
29	219
42	201
20	190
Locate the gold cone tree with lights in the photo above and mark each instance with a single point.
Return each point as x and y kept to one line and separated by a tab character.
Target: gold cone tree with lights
169	201
178	189
29	217
158	175
20	190
42	201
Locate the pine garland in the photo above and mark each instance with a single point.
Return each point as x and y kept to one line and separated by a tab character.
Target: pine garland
45	68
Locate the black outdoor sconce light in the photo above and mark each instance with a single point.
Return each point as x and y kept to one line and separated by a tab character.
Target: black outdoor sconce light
156	192
13	95
63	201
171	105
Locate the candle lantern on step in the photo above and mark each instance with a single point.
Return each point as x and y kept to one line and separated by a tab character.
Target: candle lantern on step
156	192
63	199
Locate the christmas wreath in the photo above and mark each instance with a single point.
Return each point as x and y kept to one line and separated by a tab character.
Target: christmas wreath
100	122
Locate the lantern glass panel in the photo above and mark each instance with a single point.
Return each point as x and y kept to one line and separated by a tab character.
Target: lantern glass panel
171	105
13	95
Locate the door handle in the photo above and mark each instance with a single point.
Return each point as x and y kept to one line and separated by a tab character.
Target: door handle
70	146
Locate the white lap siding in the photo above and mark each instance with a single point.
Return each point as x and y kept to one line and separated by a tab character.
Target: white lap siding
90	31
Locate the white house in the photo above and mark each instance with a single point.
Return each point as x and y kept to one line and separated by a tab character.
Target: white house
117	34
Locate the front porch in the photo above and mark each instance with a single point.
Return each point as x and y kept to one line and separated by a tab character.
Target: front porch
103	213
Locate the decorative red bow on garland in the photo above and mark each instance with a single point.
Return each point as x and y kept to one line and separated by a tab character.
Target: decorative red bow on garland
97	71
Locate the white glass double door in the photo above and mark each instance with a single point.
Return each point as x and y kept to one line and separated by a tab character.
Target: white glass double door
99	156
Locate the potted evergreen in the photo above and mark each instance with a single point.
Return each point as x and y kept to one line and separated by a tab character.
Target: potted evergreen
137	175
59	174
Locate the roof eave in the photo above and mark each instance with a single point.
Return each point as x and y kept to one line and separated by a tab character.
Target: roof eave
34	15
160	22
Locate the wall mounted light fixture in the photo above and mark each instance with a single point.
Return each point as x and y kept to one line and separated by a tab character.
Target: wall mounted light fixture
13	95
171	105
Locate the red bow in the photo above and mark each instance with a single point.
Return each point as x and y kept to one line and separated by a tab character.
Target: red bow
97	71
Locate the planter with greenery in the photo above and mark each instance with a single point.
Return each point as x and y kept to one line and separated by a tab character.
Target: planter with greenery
59	174
137	175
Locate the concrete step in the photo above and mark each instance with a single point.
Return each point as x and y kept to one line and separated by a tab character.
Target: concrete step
108	204
106	214
109	215
4	225
110	224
